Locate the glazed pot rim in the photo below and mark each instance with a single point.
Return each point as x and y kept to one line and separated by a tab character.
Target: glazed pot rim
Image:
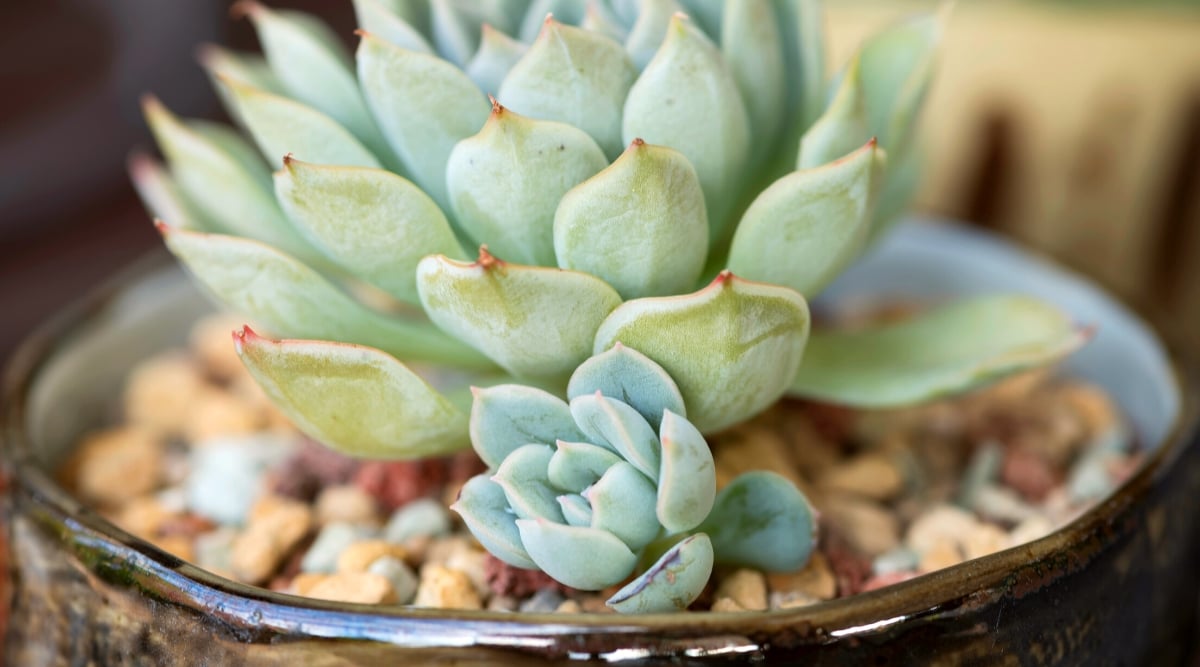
1014	571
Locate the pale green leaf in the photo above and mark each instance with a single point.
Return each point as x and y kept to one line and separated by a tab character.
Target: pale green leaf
534	322
841	129
522	475
760	520
494	60
600	19
575	77
576	510
687	99
632	378
687	478
425	106
505	182
621	503
578	465
509	416
944	351
589	559
733	347
162	197
648	30
807	226
290	299
610	423
484	508
454	33
896	67
640	225
753	47
707	14
569	12
248	68
672	583
802	26
377	18
371	222
354	399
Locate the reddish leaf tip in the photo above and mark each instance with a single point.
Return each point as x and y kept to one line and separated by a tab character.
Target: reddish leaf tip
162	227
637	142
873	142
724	277
486	259
359	32
289	159
245	8
497	108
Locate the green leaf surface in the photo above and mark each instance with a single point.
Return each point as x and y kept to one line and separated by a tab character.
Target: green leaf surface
290	299
534	322
896	66
578	465
354	399
371	222
610	423
687	479
575	77
647	32
839	131
509	416
946	350
494	60
506	182
484	508
733	347
589	559
802	26
632	378
248	68
377	18
672	583
621	502
804	229
522	475
753	47
576	509
760	520
640	225
161	195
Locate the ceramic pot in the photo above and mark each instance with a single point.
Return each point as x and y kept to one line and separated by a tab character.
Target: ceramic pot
1117	586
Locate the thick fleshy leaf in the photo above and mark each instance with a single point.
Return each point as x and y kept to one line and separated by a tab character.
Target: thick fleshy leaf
484	508
505	182
569	12
509	416
733	347
640	225
841	129
648	31
621	503
753	47
801	24
585	558
425	106
247	68
162	197
707	14
354	399
371	222
804	229
896	67
632	378
672	583
946	350
575	77
687	481
495	58
760	520
522	475
310	62
533	322
900	183
599	18
687	99
281	126
454	33
613	424
377	18
578	465
576	509
290	299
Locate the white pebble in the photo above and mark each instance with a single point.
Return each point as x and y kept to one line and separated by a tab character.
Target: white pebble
937	524
333	539
227	475
420	518
402	578
900	559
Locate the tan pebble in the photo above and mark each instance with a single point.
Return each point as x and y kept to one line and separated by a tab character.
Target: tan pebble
218	413
595	604
1093	407
142	516
472	563
347	503
160	393
211	342
869	475
441	549
176	545
418	549
866	525
569	607
287	520
444	588
727	605
941	554
812	451
502	603
791	600
938	524
1032	528
305	581
355	587
1014	387
984	540
753	447
358	556
254	556
119	464
748	588
816	580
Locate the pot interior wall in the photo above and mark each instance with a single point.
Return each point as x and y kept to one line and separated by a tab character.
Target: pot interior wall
79	387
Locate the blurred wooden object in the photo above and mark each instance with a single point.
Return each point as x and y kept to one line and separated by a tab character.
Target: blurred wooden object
1074	128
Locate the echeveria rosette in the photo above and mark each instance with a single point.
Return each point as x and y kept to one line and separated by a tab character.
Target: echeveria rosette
628	155
587	490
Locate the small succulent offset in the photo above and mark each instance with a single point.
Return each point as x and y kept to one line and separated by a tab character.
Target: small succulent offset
587	490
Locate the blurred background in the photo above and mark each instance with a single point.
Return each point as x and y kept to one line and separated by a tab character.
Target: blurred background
1073	127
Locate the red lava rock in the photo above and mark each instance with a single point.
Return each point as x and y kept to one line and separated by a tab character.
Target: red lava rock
850	569
313	467
1029	474
504	579
185	525
465	465
396	483
832	421
881	580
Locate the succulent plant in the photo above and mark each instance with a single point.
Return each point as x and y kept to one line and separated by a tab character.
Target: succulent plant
679	185
587	489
